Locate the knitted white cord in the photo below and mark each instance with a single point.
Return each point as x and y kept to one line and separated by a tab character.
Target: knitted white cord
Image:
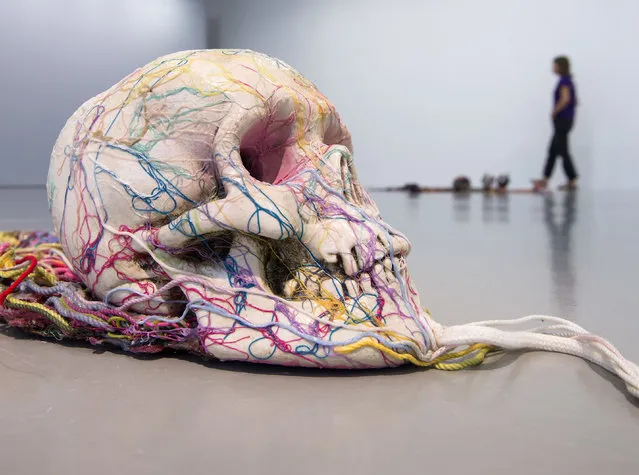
561	337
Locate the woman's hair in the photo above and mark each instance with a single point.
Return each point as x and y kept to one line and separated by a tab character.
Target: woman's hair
563	65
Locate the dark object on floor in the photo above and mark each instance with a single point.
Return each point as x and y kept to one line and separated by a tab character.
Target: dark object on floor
502	182
412	188
461	184
487	182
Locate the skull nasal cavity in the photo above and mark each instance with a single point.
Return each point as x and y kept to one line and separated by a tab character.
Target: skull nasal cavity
265	152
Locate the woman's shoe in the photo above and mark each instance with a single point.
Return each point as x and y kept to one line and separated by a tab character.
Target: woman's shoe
570	186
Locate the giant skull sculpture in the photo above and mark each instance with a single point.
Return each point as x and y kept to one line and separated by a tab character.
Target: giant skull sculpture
210	200
230	166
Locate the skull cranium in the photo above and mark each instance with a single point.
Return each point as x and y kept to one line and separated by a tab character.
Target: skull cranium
224	180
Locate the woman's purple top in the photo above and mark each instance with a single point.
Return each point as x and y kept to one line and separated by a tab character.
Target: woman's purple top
569	111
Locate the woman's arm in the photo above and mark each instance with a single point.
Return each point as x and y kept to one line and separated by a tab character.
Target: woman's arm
564	100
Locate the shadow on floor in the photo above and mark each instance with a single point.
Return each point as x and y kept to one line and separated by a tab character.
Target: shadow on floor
235	366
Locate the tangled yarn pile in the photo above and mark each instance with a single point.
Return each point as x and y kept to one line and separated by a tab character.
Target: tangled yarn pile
40	294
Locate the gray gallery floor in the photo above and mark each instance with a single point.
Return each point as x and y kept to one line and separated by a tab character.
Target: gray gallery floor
76	409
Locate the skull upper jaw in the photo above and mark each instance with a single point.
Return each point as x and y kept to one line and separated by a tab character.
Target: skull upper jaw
251	318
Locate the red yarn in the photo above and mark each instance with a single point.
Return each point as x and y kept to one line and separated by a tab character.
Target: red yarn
33	263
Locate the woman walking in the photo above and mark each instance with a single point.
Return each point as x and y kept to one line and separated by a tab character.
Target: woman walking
563	116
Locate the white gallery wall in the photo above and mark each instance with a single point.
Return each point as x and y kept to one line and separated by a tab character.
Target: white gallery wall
435	88
56	54
429	88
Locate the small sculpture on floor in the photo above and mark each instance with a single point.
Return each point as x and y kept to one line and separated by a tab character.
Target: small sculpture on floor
502	183
461	184
412	188
487	182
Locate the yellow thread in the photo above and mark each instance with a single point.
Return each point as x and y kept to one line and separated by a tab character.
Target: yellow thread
7	259
11	274
119	337
459	354
369	342
44	275
116	321
54	317
9	238
437	362
474	361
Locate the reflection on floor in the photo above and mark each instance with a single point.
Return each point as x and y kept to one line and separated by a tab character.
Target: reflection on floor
559	223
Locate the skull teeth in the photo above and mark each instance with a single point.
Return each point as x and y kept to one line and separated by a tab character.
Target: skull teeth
350	264
321	285
290	287
366	284
401	263
352	288
379	274
331	288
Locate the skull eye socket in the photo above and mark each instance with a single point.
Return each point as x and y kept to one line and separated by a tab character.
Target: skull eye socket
266	150
255	164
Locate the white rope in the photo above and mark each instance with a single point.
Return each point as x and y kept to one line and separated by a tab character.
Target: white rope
529	318
562	337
